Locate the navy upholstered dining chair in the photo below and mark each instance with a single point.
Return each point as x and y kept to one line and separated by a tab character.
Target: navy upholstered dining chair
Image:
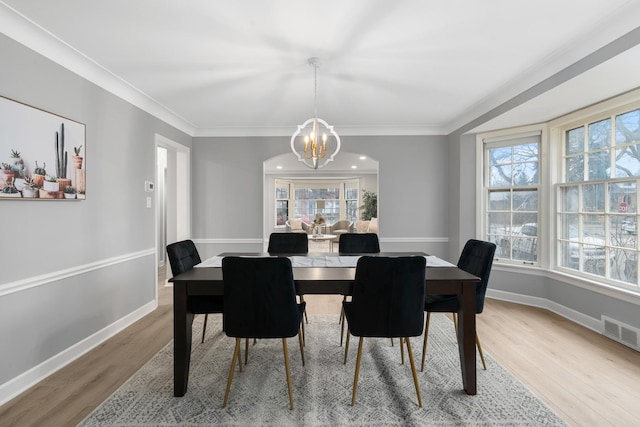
356	243
387	301
183	256
260	302
288	243
476	258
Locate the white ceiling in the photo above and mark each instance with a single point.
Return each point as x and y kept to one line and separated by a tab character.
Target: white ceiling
386	66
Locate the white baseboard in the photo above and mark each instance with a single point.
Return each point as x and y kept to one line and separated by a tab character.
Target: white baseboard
575	316
22	382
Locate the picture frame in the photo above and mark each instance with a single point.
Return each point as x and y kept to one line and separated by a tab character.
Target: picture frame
42	154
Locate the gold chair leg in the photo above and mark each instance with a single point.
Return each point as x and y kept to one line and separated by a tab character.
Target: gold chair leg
355	377
424	342
342	327
484	364
301	343
246	350
455	323
304	342
401	351
304	313
413	369
391	342
344	298
204	327
286	367
236	355
346	348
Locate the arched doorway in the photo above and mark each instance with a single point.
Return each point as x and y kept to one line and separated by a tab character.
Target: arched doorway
348	167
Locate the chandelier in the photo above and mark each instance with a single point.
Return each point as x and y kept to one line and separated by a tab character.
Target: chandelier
310	143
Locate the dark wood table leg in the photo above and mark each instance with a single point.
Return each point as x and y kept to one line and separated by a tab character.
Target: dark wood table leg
182	321
467	336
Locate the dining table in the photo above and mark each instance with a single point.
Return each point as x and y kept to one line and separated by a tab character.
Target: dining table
324	274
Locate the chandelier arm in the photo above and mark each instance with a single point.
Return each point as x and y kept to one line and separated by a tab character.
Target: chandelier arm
314	147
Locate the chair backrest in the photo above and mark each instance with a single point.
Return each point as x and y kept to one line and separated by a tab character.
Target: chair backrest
259	298
296	226
364	243
343	224
288	243
477	258
388	297
182	256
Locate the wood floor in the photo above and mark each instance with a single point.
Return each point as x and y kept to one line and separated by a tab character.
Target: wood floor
587	379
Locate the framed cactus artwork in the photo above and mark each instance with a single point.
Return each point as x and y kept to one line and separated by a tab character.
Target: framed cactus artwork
42	155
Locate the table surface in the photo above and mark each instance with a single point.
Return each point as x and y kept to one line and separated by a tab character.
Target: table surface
325	280
322	236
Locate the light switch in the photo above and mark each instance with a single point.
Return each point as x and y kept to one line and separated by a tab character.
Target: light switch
148	186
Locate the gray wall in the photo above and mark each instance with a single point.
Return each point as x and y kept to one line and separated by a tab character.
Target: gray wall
71	269
412	200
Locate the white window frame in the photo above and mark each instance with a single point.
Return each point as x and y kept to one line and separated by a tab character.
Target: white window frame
279	183
558	129
350	183
482	179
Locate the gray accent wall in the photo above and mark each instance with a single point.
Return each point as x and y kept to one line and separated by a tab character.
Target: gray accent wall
412	190
69	271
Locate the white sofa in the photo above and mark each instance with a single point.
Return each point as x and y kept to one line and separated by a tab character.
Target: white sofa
369	226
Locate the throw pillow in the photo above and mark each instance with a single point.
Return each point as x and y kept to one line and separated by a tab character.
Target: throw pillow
373	226
296	224
362	226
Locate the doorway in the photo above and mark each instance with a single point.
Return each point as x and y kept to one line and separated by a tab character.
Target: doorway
173	202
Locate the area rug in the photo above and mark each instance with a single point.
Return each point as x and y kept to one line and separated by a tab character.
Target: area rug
322	388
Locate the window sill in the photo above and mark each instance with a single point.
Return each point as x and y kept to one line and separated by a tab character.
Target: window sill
593	285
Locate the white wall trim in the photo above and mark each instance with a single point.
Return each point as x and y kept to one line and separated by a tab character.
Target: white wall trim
382	240
228	241
414	240
28	283
566	312
22	382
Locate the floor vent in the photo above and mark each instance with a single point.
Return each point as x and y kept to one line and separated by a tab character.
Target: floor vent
618	331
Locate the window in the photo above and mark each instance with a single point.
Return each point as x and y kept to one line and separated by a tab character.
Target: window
563	195
597	216
351	192
311	201
300	198
511	196
282	202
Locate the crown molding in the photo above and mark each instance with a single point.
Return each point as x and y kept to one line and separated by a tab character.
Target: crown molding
341	130
26	32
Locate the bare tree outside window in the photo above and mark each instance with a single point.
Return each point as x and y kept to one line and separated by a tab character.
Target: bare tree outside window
512	198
